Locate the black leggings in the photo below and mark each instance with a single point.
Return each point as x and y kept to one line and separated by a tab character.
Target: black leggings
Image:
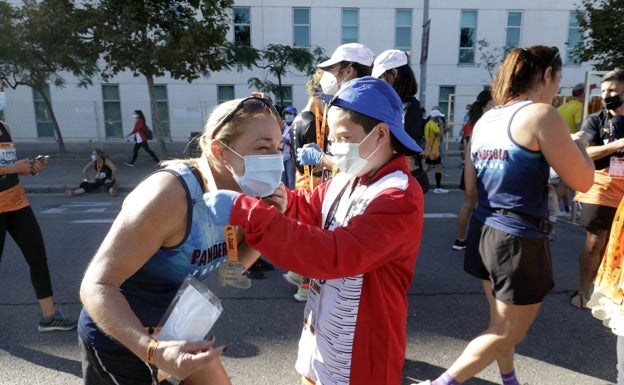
24	229
147	149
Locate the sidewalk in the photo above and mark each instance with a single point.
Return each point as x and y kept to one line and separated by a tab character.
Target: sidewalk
66	168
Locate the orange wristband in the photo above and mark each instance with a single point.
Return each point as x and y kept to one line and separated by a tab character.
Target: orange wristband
151	351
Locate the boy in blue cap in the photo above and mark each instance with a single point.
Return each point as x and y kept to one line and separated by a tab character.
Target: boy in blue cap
357	236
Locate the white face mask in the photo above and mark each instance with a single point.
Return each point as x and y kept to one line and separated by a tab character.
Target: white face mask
329	84
135	116
262	174
347	156
93	157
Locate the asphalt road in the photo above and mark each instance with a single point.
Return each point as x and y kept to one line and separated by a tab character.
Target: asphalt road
261	326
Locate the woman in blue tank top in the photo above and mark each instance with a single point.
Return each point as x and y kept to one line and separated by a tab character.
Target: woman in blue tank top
163	233
507	165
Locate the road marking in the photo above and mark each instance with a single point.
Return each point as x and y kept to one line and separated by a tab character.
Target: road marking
440	215
93	221
85	207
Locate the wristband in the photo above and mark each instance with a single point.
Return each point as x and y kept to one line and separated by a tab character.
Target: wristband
151	351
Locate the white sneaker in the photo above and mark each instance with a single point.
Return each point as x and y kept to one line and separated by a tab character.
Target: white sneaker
440	190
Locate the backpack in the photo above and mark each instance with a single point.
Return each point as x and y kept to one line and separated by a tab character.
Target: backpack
149	134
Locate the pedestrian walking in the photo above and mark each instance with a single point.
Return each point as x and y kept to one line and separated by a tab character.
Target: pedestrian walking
139	132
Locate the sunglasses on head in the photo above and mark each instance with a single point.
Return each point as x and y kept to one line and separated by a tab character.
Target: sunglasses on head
248	105
555	56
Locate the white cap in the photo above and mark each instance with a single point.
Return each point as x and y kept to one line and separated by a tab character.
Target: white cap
353	52
436	114
387	60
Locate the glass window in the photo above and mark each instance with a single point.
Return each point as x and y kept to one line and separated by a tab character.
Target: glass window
403	29
242	25
225	93
443	102
574	38
467	37
162	102
45	126
512	33
112	111
350	21
301	27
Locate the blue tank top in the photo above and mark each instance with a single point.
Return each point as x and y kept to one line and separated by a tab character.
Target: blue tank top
152	288
509	176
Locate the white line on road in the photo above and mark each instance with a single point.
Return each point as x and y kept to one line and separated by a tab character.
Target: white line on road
93	221
440	215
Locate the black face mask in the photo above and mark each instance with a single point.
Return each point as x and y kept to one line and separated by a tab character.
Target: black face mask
612	102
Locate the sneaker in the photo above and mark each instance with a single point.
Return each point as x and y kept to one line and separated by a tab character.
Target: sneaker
459	245
302	293
579	300
440	190
129	164
57	321
255	274
68	191
113	190
293	278
262	265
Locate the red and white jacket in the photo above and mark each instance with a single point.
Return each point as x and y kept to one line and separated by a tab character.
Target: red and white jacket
361	260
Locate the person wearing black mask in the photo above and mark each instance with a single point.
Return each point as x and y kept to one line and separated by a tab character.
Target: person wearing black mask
605	132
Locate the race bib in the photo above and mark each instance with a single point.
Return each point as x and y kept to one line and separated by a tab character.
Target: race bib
616	167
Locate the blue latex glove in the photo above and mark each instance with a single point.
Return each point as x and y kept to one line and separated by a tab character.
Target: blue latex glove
309	155
220	205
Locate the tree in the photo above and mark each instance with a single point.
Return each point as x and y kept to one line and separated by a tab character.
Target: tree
602	40
276	60
41	40
187	39
490	57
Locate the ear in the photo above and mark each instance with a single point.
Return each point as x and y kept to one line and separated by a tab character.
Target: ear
383	130
217	149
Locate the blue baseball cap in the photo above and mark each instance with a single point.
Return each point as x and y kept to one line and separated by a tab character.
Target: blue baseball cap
290	110
377	99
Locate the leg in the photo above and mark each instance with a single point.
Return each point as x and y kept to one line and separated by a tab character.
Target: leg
508	326
135	152
591	256
24	229
147	149
464	216
213	374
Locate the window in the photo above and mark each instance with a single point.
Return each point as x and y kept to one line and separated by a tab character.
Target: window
162	102
350	19
574	38
467	37
224	93
512	32
301	27
443	102
112	111
403	29
285	99
45	126
242	25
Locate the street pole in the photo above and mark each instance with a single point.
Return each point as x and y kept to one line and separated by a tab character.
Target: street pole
424	47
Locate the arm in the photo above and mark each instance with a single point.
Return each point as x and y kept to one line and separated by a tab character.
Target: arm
541	128
87	167
131	241
113	169
597	151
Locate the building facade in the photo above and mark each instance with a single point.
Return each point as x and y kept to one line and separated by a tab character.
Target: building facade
464	37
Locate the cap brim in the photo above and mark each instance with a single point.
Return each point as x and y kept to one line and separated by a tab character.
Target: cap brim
328	63
377	71
405	139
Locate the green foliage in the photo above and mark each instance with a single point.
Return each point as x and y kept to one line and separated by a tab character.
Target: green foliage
490	57
186	39
603	38
41	40
278	61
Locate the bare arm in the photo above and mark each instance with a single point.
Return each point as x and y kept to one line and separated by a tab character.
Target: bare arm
597	151
87	167
131	241
540	127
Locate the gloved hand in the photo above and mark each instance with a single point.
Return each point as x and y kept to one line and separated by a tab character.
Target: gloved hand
309	155
220	205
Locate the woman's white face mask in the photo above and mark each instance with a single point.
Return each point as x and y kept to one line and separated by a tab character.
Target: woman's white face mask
263	173
347	156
